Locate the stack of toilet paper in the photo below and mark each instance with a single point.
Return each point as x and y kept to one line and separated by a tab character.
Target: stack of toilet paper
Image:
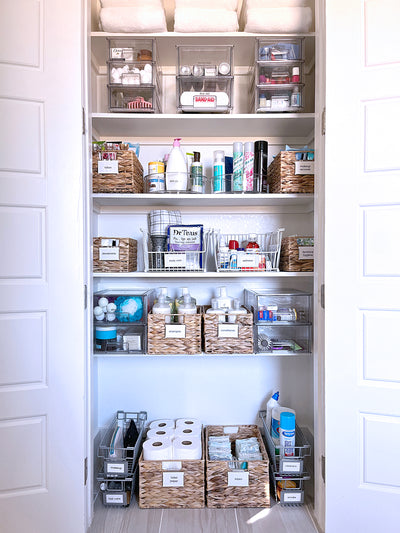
169	439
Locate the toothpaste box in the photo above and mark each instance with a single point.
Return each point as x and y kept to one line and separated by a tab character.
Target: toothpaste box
189	239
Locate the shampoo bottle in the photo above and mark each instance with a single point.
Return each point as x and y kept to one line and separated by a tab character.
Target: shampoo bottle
162	308
223	300
179	301
215	310
196	174
237	310
186	308
163	291
177	169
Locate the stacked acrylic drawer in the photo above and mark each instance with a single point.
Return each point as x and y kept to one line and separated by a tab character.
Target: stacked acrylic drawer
120	319
279	75
133	76
282	320
204	83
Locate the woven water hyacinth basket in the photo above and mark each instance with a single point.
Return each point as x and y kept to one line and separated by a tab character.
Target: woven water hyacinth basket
218	493
213	343
127	261
152	493
290	260
283	179
129	178
158	330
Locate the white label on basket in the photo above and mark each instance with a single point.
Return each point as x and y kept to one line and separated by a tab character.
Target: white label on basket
204	100
115	498
291	496
238	479
175	331
231	429
115	468
230	331
171	465
109	254
173	479
107	167
290	466
248	260
306	252
175	260
304	167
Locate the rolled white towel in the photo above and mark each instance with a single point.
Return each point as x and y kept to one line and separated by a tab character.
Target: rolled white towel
133	20
257	4
230	5
132	3
279	20
205	20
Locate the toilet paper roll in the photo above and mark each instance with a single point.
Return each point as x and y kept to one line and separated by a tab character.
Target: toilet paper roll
188	422
189	432
186	448
161	433
157	450
162	424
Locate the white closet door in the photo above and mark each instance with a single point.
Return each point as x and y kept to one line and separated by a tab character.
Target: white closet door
41	268
363	266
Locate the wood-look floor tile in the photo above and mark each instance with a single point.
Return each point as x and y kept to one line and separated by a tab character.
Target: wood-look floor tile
276	519
199	521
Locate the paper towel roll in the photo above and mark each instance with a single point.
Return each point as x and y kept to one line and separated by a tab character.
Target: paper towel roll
188	422
157	450
189	432
162	424
161	433
186	448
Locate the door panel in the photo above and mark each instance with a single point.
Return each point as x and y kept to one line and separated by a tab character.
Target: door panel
42	370
362	266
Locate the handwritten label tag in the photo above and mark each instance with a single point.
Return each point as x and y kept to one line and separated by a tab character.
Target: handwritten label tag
238	479
175	331
228	331
173	479
304	167
204	100
175	260
107	167
109	254
115	468
291	467
115	498
291	496
248	261
306	252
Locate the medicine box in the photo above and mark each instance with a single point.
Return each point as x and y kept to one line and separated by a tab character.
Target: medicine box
204	81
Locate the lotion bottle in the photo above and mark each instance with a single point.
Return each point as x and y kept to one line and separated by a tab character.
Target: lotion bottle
177	177
215	310
186	308
224	301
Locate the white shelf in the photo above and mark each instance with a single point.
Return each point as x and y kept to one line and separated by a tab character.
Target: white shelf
204	355
124	125
197	275
304	201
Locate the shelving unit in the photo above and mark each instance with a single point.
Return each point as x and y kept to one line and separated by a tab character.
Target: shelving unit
202	381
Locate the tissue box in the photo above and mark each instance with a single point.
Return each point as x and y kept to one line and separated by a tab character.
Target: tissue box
227	487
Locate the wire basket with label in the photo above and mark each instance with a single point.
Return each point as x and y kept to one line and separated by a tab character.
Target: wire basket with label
248	252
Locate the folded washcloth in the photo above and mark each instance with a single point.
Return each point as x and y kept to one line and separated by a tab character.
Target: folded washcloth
256	4
133	20
205	20
279	20
132	3
230	5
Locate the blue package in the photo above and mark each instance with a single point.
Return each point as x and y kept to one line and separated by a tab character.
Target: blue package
187	238
129	308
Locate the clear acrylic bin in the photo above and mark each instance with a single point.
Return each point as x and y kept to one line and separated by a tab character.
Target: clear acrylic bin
158	183
266	258
125	306
283	307
204	81
283	340
120	340
133	99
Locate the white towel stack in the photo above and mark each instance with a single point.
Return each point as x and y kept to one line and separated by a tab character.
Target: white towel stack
277	16
132	16
205	16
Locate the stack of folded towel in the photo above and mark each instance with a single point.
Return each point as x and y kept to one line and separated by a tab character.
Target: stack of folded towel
277	16
132	16
198	16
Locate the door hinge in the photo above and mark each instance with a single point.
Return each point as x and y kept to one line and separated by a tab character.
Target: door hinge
323	467
83	121
85	470
323	295
85	296
323	122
